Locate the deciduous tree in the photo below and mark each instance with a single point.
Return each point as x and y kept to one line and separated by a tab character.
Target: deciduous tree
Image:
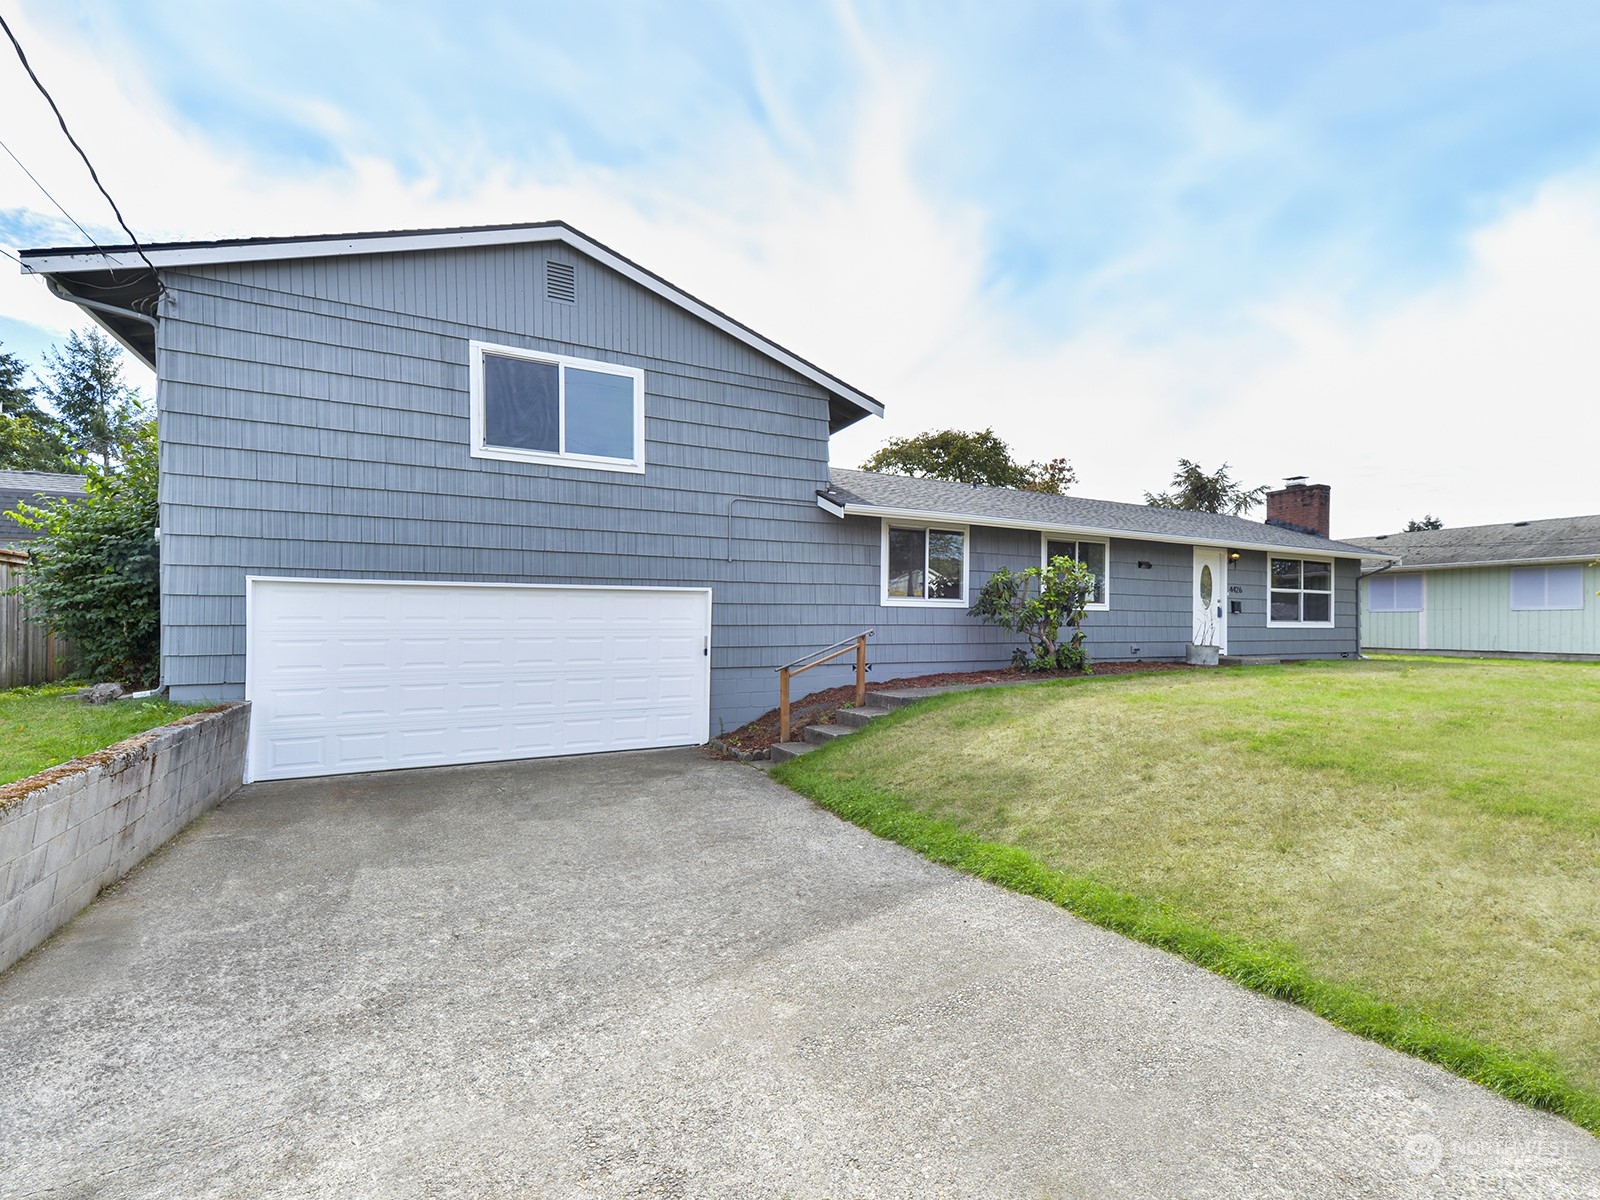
961	457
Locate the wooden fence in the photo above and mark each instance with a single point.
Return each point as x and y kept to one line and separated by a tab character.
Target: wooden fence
29	653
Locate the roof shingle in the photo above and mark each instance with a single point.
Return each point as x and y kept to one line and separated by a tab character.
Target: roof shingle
1561	538
976	505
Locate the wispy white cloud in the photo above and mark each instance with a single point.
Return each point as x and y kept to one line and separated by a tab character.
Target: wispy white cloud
1180	313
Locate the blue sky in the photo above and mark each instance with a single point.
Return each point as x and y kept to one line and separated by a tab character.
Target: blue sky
1338	240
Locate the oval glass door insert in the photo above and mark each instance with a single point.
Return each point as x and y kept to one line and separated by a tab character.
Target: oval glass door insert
1205	584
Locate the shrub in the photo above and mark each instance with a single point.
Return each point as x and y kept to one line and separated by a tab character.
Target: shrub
1036	603
95	570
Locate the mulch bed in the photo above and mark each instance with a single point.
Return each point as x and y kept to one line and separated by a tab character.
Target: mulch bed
819	707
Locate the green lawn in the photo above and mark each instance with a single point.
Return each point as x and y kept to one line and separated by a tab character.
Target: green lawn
1410	847
46	726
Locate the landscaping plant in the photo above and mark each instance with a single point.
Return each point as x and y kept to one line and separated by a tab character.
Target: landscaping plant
94	573
1036	603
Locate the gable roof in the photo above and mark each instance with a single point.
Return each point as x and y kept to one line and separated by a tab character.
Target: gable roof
865	493
125	306
1562	539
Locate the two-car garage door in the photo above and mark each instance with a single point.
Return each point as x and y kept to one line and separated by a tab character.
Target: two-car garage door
347	675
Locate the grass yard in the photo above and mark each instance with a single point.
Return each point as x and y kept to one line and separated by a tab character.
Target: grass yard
1409	847
45	726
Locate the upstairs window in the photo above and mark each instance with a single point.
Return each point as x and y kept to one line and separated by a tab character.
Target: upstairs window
1094	555
528	406
1394	593
1539	589
924	566
1302	592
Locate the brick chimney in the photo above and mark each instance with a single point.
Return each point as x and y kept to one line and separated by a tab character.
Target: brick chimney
1299	505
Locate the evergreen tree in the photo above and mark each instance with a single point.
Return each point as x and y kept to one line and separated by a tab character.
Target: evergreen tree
29	438
1195	491
97	411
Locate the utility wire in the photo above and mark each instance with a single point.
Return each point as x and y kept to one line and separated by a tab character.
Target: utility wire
47	194
11	256
62	121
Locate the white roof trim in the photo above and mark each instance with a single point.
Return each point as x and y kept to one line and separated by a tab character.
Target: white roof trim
925	515
97	260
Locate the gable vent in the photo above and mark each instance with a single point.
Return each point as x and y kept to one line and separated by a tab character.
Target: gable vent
561	282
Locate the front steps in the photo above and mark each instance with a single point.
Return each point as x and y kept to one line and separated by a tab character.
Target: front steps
850	720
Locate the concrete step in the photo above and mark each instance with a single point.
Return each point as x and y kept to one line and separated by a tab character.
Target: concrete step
860	716
818	734
904	696
900	697
784	751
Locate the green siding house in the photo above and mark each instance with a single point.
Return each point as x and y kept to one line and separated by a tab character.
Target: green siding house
1524	589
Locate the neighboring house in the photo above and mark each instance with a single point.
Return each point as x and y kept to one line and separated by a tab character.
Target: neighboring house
31	487
467	494
1524	589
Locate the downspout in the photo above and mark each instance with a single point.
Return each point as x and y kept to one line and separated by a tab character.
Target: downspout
1361	640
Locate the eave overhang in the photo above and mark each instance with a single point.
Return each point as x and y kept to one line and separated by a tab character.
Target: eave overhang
97	268
842	509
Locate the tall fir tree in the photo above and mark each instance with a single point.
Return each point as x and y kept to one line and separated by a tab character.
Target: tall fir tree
97	411
30	439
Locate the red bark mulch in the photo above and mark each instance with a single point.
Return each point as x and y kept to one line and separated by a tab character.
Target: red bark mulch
819	707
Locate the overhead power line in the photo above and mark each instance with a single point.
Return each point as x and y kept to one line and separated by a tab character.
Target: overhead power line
47	195
62	121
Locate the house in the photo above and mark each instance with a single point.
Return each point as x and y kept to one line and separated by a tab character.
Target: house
1526	589
31	487
467	494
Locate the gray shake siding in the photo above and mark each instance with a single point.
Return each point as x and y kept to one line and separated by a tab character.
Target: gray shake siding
1149	617
315	422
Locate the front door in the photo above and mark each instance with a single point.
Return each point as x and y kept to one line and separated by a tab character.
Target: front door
1210	598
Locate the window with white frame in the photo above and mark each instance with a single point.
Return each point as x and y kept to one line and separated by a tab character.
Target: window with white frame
1301	592
1094	555
924	565
1394	593
1537	589
528	406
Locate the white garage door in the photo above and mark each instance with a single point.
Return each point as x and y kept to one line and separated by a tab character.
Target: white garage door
346	676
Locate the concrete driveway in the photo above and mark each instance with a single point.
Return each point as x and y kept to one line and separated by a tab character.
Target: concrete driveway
655	975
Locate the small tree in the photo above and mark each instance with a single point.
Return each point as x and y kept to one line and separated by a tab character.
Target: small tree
1428	523
1195	491
1036	603
96	410
94	573
961	457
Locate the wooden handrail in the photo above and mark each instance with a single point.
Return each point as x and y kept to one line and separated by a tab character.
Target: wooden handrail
789	670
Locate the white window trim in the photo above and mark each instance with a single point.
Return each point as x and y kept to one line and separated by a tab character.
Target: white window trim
1044	549
481	449
1583	589
1332	593
912	601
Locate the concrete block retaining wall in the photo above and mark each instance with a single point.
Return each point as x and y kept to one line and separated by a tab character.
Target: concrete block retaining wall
72	830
